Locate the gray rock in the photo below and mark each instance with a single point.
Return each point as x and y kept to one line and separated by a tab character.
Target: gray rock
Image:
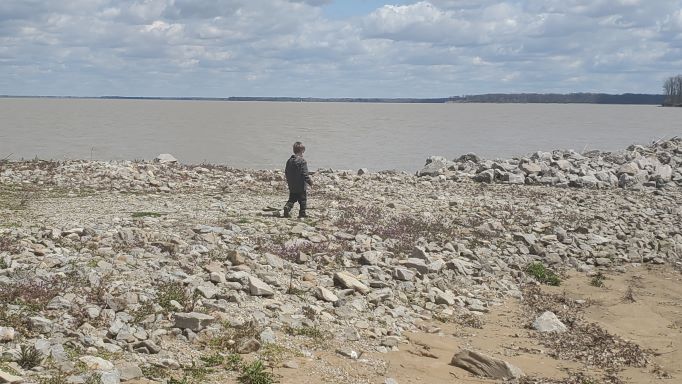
129	371
110	377
248	346
403	274
487	176
419	252
324	294
6	377
194	321
259	288
530	168
6	334
165	158
267	336
484	365
346	280
40	324
96	363
418	264
548	322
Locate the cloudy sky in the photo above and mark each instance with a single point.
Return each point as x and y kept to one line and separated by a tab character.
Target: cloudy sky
336	48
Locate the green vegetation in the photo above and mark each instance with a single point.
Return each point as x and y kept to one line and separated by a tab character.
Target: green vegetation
29	357
598	280
233	362
172	291
255	373
542	274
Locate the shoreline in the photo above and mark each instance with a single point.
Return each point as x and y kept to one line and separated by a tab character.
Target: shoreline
142	272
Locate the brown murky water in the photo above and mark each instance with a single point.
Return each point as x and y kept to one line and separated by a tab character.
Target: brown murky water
338	135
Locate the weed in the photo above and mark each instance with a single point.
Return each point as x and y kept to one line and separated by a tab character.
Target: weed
233	362
59	378
93	378
598	280
255	373
213	360
154	372
197	373
275	354
542	274
312	332
29	357
143	311
629	296
184	380
33	293
173	291
233	336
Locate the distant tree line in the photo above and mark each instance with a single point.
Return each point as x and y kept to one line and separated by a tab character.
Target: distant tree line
586	98
672	89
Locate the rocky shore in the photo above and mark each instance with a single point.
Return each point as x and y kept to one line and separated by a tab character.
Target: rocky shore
146	272
656	166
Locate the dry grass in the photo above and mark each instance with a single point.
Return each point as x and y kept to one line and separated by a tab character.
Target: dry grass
585	342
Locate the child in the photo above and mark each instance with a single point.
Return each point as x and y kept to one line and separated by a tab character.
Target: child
298	180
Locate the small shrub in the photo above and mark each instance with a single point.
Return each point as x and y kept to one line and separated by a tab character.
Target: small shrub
255	373
233	336
93	378
213	360
234	362
33	293
29	357
629	296
598	280
197	373
542	274
174	290
154	372
312	332
145	309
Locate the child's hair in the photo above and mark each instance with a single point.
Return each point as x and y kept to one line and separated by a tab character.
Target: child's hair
299	147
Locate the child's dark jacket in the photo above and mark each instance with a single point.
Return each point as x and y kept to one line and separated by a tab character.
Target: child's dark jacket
297	174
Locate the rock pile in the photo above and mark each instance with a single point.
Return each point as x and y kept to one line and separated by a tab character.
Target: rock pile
129	269
657	166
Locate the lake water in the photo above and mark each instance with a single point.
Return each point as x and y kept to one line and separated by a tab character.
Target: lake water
337	135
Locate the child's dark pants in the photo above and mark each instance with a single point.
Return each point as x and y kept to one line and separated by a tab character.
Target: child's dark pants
299	197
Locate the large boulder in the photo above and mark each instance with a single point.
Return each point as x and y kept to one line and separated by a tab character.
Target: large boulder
484	365
548	322
165	158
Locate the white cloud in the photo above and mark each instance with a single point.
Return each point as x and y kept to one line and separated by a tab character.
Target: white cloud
289	47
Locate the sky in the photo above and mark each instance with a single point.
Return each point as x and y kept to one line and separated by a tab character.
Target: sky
336	48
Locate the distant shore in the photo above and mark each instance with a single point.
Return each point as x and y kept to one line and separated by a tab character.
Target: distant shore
504	98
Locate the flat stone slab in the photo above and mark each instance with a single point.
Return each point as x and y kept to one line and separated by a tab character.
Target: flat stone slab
194	321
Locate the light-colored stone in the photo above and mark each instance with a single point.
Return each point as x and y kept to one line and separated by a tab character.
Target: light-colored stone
548	322
6	334
324	294
165	158
346	280
97	363
258	287
194	321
